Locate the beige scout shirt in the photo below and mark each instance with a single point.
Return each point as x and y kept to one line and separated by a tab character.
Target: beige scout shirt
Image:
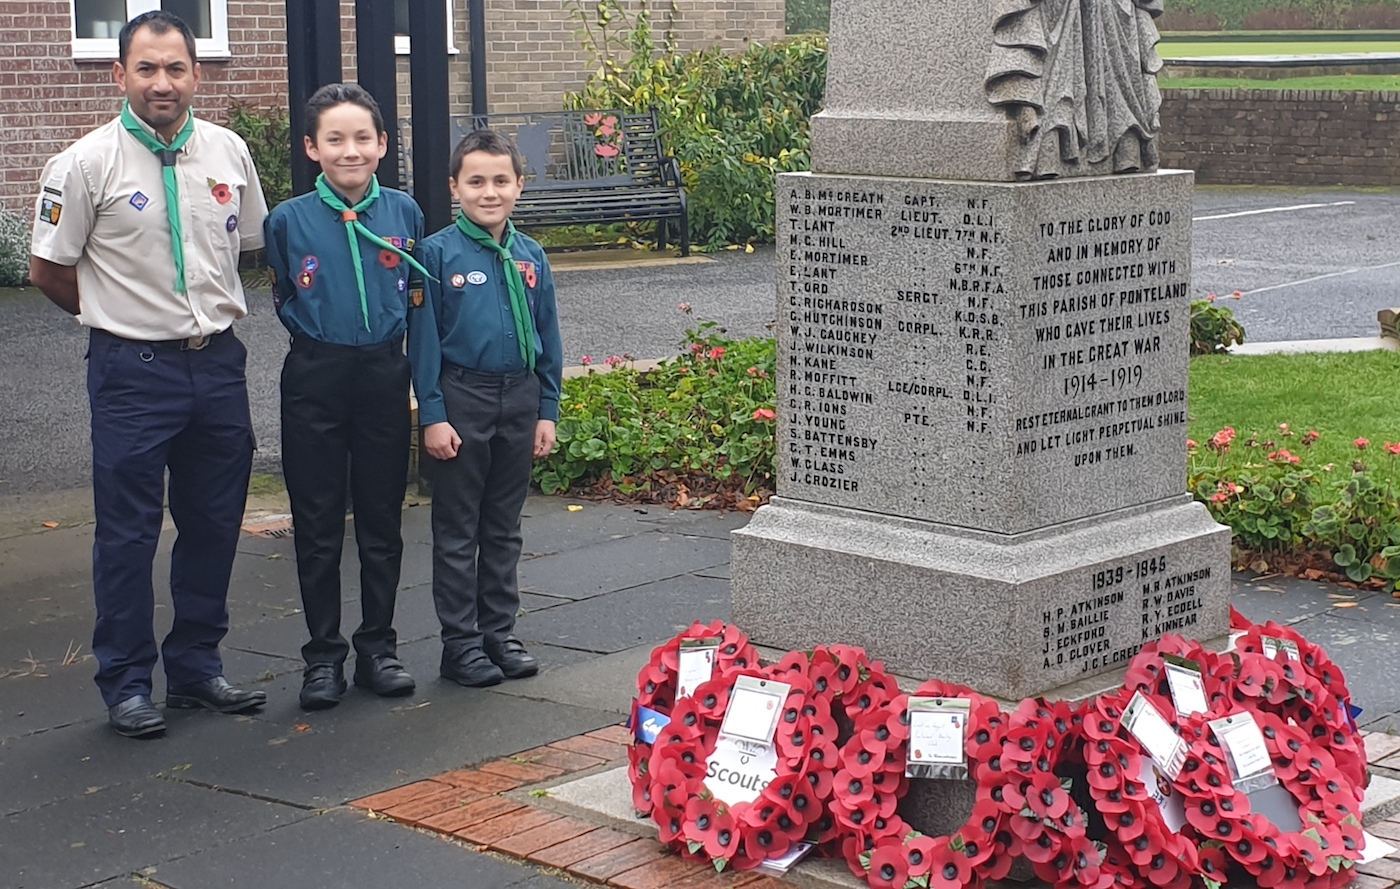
102	208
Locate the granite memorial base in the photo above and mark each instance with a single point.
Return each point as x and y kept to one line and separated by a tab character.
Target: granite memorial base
1011	616
981	398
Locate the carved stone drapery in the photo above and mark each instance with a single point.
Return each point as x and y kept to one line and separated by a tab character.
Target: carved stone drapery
1080	79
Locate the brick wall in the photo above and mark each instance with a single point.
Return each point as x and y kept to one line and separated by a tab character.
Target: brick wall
48	99
1283	137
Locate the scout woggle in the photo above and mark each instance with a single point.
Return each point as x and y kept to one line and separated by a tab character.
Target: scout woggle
350	216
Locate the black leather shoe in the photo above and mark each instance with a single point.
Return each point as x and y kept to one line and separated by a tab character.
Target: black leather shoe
136	717
213	694
383	675
510	655
322	686
472	668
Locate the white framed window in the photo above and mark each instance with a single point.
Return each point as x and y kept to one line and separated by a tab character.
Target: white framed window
401	40
96	24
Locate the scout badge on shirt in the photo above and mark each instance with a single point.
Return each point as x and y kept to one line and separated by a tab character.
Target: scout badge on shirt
476	277
50	210
139	201
527	271
458	280
415	297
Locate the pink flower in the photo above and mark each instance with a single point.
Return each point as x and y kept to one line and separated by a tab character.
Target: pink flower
1310	436
1237	294
1219	497
586	361
1210	297
683	307
1283	427
716	353
613	361
1393	449
753	371
1362	443
697	348
1190	445
764	413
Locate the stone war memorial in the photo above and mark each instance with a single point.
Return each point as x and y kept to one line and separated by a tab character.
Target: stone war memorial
983	309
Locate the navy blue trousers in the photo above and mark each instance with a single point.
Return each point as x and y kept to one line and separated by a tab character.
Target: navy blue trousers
156	408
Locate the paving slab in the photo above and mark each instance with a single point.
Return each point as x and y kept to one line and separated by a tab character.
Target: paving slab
125	829
621	564
1382	799
347	848
1285	600
603	683
642	614
1365	652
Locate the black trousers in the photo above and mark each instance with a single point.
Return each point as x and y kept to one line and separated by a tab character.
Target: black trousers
477	499
346	406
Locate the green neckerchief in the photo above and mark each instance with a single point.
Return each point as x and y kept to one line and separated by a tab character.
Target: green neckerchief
519	307
350	216
167	155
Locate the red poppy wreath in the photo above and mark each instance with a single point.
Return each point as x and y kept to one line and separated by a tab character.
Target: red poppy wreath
738	810
879	845
657	686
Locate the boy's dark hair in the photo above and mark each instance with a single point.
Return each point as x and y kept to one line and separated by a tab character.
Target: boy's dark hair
490	142
159	21
333	94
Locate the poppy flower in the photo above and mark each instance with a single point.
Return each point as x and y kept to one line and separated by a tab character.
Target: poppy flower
1045	797
948	869
221	192
720	841
919	852
888	868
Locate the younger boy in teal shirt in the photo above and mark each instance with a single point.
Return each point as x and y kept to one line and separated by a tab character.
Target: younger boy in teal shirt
483	339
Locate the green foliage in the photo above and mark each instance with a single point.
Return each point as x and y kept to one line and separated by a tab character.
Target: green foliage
1213	328
1281	14
732	121
706	417
268	134
804	16
14	249
1279	501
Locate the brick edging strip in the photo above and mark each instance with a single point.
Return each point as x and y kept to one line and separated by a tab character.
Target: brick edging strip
469	805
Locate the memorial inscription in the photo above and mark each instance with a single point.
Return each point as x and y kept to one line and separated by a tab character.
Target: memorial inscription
908	348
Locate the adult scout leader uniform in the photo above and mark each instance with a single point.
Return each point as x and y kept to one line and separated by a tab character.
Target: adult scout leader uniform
155	232
491	366
341	290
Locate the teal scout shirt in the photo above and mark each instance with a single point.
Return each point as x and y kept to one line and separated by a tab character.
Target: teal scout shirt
314	288
463	318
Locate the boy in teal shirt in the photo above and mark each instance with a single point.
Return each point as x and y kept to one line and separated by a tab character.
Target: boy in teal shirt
483	339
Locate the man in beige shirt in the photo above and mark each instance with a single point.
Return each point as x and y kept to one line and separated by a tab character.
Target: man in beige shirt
138	229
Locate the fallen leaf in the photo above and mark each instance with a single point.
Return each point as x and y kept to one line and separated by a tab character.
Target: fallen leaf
302	727
1346	604
574	507
49	524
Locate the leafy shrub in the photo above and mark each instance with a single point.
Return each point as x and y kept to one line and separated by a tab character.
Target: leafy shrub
1271	14
268	134
1278	20
1372	18
804	16
702	423
732	121
1213	328
14	249
1286	512
1177	20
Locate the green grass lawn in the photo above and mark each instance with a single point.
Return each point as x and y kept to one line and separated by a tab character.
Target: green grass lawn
1343	396
1331	82
1179	49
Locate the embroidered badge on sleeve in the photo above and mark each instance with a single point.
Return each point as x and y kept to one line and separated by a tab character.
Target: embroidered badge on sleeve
50	210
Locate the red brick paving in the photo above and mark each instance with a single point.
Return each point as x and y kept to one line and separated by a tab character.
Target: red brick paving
524	772
595	842
398	795
465	803
487	833
552	834
619	860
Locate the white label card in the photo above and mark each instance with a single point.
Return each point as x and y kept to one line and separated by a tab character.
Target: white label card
1155	734
737	773
1244	745
754	707
1374	848
1272	646
938	730
1159	787
697	665
1187	687
782	864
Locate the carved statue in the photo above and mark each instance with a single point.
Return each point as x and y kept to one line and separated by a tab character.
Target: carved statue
1080	78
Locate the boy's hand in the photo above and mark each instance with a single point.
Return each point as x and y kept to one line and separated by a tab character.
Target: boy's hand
544	438
441	441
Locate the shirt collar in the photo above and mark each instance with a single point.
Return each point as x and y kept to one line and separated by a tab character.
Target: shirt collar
157	136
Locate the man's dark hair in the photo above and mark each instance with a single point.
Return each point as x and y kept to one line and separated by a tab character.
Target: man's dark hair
159	21
333	94
490	142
